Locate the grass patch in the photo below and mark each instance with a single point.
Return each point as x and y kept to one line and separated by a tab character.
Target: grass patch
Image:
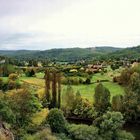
87	91
40	75
33	81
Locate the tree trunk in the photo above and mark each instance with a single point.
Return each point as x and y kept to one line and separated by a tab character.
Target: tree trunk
54	91
59	90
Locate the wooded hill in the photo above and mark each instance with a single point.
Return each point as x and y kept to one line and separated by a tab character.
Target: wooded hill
68	54
73	54
128	53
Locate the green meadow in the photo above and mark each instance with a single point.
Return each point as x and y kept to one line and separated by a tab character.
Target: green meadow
87	91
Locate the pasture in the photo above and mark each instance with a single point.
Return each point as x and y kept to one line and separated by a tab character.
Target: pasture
87	91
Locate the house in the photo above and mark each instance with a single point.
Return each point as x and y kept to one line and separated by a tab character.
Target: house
94	68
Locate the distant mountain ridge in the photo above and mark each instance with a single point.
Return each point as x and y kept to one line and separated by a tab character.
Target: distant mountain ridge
130	53
73	54
16	52
62	54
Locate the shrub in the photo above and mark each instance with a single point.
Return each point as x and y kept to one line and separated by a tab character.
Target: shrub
71	80
13	76
23	104
102	72
30	72
77	106
11	84
5	86
83	132
45	134
82	108
81	81
56	120
117	79
110	127
123	135
88	81
111	121
39	117
62	136
6	113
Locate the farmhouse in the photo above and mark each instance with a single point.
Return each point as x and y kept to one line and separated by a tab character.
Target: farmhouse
94	68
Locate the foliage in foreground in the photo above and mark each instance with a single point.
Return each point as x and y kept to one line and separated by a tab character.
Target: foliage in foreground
77	106
17	108
129	104
56	120
106	127
44	134
83	132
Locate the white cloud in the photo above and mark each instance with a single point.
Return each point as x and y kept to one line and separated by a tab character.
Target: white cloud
83	23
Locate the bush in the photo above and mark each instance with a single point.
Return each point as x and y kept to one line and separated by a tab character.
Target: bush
13	76
83	109
88	81
123	135
111	121
81	81
11	84
5	86
56	120
117	79
62	136
6	113
39	117
110	127
83	132
71	80
45	134
23	104
76	106
30	72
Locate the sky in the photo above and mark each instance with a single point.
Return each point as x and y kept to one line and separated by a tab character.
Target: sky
46	24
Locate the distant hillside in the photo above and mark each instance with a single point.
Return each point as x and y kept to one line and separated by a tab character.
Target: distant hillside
131	53
68	54
16	52
72	54
106	49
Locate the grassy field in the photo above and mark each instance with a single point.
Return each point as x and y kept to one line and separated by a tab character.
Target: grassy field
87	91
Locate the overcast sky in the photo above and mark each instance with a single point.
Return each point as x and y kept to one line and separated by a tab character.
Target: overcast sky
45	24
